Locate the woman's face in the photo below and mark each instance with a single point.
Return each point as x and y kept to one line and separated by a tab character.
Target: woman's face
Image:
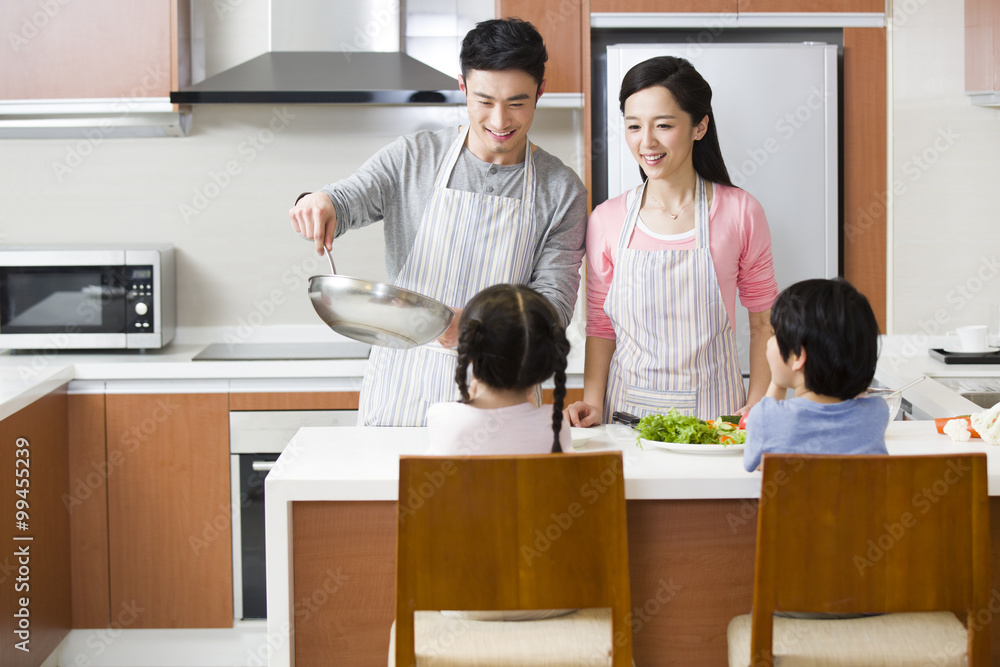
659	133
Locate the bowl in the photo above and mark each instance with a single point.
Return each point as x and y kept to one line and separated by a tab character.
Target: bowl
892	401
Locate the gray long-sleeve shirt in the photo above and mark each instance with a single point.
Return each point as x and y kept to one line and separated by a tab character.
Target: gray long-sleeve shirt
396	183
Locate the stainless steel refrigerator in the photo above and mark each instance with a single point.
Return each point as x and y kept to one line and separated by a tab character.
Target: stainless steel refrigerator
775	108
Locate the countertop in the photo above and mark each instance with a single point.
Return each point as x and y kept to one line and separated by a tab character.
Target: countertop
362	464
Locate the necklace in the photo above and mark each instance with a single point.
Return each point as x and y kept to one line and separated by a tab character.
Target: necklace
664	208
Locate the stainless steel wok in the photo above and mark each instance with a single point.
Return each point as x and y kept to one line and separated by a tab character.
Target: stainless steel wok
377	313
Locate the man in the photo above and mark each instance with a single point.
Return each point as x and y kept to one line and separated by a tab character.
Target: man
464	208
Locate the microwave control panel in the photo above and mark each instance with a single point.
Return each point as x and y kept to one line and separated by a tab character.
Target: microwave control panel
139	302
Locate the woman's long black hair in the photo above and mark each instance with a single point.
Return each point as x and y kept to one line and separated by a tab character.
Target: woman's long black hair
512	337
694	96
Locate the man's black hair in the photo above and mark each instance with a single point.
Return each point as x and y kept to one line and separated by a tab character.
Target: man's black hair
500	44
835	324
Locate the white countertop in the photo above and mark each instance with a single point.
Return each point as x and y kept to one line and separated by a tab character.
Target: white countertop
362	464
905	358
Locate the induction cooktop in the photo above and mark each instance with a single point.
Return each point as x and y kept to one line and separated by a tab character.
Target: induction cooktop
283	351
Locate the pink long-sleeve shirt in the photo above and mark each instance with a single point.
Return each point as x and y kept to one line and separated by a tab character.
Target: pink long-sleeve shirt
739	240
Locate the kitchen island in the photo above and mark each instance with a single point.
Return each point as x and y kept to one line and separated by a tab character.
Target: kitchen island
331	513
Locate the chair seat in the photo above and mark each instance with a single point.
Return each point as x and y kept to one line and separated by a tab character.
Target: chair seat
580	638
930	638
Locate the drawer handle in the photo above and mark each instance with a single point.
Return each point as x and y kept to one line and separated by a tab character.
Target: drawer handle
262	466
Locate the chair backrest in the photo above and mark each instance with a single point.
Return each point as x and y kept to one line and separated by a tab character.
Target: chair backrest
512	532
854	534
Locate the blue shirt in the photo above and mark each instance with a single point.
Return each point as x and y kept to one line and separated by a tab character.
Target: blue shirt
801	426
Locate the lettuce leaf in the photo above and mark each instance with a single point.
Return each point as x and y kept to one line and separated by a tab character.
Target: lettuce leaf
675	427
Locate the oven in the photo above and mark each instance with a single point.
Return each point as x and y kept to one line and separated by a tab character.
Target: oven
256	439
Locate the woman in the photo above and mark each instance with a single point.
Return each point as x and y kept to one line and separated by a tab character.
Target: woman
666	260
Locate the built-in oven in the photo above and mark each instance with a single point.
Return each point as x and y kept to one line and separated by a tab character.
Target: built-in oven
256	439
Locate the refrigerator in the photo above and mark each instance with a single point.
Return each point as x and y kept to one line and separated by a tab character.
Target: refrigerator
775	107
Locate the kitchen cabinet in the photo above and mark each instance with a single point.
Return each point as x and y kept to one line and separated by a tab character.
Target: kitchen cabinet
982	51
821	6
87	503
169	512
658	6
35	563
117	50
563	27
864	165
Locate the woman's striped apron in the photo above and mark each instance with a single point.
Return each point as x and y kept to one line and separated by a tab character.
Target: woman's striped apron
674	347
466	242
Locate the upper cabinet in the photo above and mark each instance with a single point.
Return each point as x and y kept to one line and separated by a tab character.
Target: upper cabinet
118	58
658	6
562	26
813	6
982	52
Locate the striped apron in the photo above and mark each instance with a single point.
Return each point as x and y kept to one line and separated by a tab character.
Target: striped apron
675	347
466	242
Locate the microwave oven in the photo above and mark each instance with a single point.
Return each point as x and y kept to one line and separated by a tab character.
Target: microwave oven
55	297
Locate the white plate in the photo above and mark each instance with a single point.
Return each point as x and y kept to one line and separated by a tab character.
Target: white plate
686	448
983	351
581	435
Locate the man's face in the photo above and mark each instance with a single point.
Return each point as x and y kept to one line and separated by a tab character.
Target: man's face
501	107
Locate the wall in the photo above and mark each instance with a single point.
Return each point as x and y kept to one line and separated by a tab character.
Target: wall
945	240
222	194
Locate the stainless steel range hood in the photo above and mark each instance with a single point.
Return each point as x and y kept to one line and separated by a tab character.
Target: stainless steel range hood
322	52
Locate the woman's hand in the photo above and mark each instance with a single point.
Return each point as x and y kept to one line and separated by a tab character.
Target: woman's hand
582	414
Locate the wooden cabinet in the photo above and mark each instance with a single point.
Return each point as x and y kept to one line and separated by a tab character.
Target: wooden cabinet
113	49
659	6
864	165
819	6
87	503
982	50
562	26
34	565
169	510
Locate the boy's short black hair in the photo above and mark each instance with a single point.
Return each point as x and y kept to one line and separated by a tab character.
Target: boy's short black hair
500	44
835	324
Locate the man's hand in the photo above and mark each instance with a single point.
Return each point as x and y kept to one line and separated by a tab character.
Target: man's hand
449	339
314	217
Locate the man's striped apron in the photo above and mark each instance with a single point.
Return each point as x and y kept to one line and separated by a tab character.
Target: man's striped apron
675	347
466	242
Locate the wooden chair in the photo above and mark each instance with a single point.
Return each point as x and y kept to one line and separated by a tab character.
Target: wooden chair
507	533
870	534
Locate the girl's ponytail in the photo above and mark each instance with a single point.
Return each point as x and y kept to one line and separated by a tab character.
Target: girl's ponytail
466	349
560	350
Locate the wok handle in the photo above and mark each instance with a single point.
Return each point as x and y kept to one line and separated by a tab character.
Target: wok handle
329	256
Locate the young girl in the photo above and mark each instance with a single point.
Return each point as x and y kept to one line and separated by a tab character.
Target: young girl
510	341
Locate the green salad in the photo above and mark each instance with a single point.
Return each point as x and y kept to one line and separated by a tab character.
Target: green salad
675	427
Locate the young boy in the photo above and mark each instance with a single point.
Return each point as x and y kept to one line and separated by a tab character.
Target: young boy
824	347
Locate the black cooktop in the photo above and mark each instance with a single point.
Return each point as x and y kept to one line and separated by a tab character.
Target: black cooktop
283	351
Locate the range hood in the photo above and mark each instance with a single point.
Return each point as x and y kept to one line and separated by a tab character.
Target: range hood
321	52
326	77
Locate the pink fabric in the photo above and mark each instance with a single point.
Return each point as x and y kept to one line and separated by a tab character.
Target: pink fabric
739	240
457	429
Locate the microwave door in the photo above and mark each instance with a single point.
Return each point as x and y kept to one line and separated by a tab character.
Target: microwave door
62	300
